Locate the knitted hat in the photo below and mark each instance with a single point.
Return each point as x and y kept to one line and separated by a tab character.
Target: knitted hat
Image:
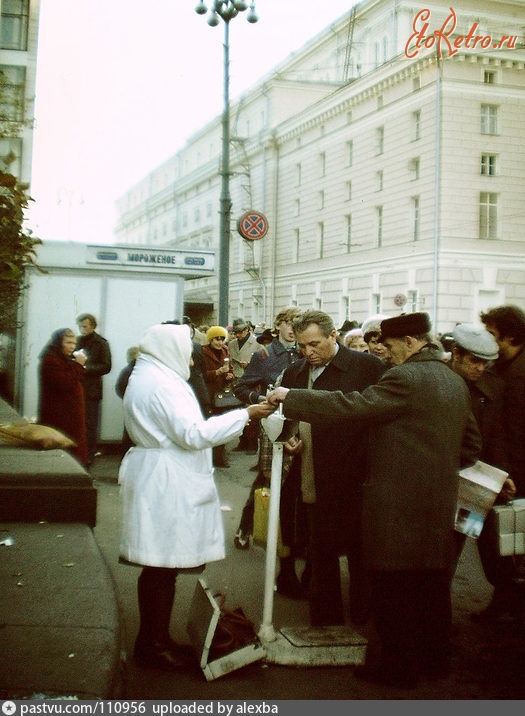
407	324
215	332
475	340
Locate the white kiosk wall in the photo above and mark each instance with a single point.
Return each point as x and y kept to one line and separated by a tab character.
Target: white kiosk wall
125	295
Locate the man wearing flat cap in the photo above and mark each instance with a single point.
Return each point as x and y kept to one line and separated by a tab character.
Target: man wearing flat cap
473	354
421	432
242	347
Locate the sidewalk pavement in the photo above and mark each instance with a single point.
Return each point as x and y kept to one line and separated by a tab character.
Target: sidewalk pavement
487	662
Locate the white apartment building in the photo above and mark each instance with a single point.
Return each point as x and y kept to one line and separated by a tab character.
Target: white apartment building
389	162
18	59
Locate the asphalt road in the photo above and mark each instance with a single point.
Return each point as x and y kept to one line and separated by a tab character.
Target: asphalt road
488	661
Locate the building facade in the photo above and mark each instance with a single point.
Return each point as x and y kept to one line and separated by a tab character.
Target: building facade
18	61
388	156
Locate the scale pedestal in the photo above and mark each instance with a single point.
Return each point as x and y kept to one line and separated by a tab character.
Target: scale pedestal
299	646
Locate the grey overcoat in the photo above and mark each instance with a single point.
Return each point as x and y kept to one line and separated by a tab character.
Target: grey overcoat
421	431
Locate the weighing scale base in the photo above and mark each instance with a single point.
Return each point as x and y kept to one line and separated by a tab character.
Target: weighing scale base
316	646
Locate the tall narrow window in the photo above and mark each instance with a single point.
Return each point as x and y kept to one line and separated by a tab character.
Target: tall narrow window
488	165
349	153
297	207
380	140
379	225
320	200
295	249
320	239
298	172
379	180
489	77
322	164
416	124
416	218
348	186
348	222
14	23
489	119
488	215
414	165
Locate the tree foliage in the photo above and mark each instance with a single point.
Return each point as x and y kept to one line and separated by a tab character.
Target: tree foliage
17	248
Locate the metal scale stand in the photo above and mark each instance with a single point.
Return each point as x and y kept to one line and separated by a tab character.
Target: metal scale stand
297	646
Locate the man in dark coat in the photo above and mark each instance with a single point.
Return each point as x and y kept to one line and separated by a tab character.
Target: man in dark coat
98	364
331	473
421	432
507	325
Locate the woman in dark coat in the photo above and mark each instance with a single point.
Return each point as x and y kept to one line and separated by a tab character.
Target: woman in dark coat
62	403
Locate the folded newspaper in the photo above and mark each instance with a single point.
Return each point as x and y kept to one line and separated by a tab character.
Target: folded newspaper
479	485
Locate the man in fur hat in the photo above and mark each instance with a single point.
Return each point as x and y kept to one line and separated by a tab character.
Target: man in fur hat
421	432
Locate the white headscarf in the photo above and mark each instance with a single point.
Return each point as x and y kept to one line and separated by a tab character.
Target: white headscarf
171	345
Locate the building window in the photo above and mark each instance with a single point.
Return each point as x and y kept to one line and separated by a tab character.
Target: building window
380	140
376	303
11	155
489	119
412	301
349	153
322	164
414	165
348	185
379	180
380	102
416	84
12	94
488	215
416	123
488	165
295	252
379	226
297	205
14	22
320	200
298	171
320	239
489	77
416	218
348	222
349	117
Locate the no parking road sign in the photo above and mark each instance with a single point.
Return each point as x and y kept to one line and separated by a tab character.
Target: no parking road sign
252	225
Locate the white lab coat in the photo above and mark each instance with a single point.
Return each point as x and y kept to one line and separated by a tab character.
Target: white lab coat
170	510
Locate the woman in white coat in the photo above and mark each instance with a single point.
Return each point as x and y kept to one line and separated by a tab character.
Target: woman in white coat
171	517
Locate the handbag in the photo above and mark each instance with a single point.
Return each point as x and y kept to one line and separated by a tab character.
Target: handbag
234	630
226	400
261	509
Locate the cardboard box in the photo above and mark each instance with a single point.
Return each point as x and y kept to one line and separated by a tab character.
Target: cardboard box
510	527
201	626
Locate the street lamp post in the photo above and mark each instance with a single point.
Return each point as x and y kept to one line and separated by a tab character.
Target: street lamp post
226	10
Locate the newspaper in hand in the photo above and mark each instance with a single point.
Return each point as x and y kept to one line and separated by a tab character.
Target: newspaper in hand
479	485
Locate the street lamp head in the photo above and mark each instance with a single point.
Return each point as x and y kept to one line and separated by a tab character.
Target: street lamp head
240	5
201	8
252	17
213	20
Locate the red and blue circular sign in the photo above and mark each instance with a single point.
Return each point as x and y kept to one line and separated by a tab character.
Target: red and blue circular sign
252	225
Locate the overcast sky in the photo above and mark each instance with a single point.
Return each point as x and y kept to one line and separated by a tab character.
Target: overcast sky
123	84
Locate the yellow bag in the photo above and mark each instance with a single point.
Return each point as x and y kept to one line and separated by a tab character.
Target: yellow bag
260	522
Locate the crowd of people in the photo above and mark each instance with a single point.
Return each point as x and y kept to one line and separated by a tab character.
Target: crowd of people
384	414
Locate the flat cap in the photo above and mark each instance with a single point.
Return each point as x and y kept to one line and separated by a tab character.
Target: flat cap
407	324
476	340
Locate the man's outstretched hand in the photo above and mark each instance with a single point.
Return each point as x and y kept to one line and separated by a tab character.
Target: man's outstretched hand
276	396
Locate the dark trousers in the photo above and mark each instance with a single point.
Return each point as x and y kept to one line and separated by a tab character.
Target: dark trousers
92	422
324	588
413	616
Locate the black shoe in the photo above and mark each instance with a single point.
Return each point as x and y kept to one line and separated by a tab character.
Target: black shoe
493	615
385	678
241	540
168	657
290	586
